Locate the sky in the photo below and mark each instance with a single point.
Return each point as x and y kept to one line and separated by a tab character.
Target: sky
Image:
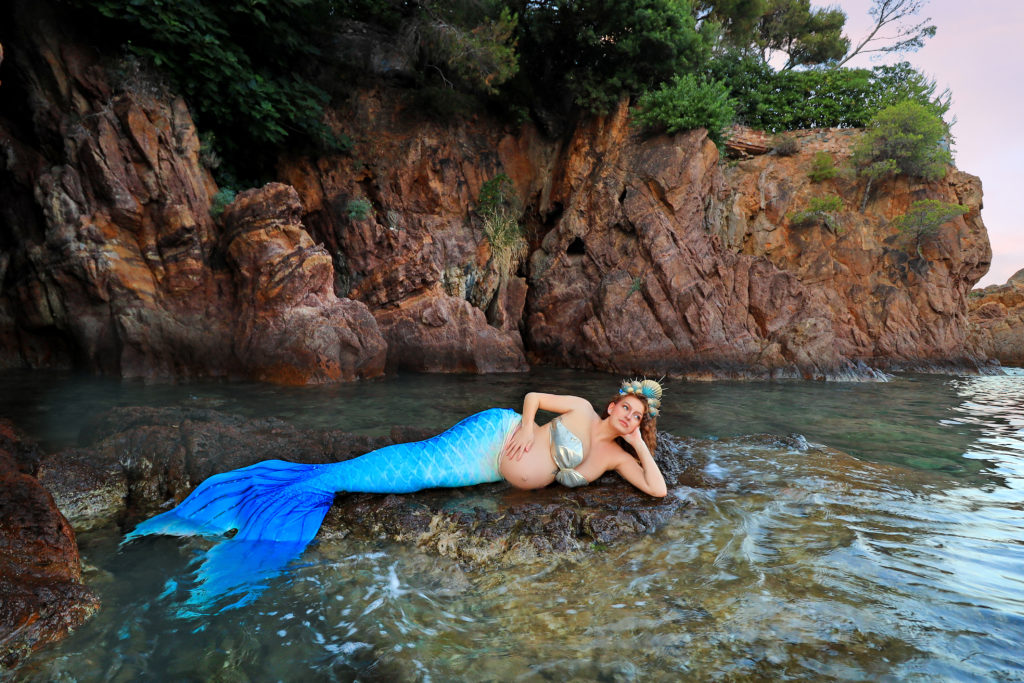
978	53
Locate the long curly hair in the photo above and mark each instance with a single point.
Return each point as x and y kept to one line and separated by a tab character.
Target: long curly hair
648	425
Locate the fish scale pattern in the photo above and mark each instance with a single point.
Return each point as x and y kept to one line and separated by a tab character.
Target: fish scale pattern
464	455
286	502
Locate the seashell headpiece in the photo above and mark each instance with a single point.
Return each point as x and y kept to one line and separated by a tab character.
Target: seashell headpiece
648	388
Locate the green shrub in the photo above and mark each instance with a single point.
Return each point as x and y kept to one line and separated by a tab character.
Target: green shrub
925	217
220	201
499	207
910	135
905	138
823	167
358	209
819	98
687	103
820	210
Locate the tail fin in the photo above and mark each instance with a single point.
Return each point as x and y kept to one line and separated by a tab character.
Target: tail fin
269	501
276	508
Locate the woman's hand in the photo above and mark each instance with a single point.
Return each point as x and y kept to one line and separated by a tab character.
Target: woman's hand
520	442
634	439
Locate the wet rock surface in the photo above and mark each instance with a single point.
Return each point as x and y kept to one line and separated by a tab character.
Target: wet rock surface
42	597
160	455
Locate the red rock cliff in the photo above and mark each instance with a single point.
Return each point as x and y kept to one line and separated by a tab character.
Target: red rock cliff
647	254
110	258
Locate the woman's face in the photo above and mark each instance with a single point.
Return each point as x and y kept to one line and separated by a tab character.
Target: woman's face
626	413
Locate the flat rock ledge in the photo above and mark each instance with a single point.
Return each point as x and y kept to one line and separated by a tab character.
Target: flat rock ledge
135	462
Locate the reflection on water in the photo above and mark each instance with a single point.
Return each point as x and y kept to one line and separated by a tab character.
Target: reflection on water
903	560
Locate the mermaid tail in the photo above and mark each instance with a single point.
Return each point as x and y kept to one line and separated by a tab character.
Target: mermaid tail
277	507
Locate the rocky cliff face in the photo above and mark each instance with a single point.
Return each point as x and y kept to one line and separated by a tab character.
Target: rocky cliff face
887	302
110	258
996	328
646	254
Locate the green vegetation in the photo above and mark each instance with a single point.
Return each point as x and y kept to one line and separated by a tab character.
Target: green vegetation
258	74
499	207
685	104
240	65
588	55
358	209
823	167
925	217
819	211
819	98
221	200
905	138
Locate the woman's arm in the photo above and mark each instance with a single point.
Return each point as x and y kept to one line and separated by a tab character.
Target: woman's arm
521	441
645	475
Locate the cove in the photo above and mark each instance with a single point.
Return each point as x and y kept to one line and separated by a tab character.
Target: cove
884	544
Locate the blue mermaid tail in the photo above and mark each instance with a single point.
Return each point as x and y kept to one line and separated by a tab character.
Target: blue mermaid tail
277	507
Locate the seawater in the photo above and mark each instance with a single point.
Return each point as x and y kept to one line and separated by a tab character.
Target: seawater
892	548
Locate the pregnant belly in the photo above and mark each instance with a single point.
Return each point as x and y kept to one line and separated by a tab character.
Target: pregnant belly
534	470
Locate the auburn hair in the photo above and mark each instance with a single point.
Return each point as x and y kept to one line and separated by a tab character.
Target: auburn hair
648	425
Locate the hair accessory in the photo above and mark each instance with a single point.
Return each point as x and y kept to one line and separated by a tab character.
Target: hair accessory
648	388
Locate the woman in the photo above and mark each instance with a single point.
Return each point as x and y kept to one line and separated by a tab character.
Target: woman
277	507
583	446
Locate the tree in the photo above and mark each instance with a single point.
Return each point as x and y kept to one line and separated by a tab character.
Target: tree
686	103
808	36
735	21
591	54
905	138
894	17
475	49
925	217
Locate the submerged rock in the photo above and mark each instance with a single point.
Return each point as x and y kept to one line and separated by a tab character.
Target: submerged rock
42	597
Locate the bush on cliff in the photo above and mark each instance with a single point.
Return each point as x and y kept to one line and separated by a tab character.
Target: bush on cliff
820	210
924	219
500	208
905	138
839	98
687	103
823	167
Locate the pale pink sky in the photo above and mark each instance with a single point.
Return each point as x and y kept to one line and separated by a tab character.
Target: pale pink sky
978	53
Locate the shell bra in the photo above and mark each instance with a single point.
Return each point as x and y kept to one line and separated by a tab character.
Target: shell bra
567	452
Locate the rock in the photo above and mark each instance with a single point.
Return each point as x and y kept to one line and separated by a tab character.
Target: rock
646	253
997	322
629	280
444	334
291	327
163	453
884	304
419	258
116	264
42	597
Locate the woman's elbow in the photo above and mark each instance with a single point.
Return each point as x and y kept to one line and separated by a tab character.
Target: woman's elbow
657	491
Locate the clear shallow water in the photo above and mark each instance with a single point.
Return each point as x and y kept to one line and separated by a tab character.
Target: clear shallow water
899	556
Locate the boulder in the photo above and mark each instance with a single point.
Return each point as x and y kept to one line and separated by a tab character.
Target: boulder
291	328
42	597
997	322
